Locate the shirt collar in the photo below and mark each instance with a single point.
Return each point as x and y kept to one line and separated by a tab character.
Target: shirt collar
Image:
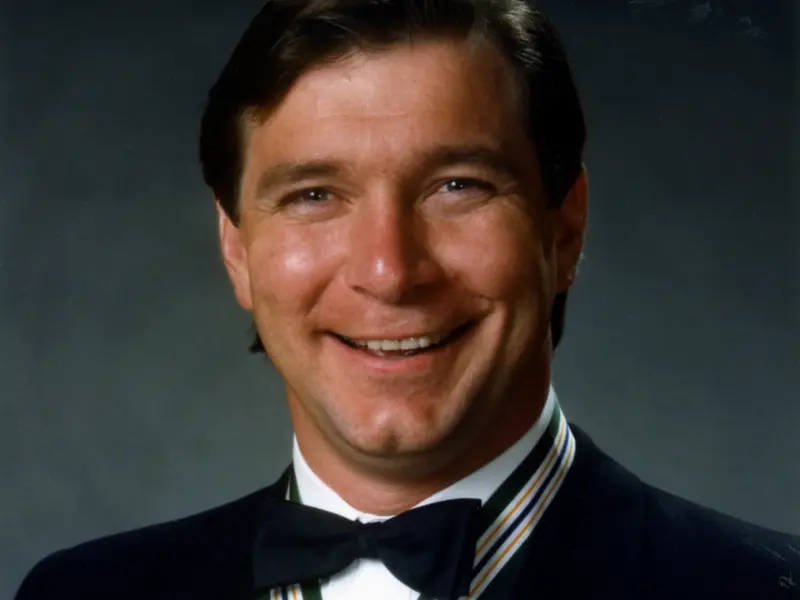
480	484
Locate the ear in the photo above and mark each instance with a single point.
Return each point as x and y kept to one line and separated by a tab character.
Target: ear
570	231
234	256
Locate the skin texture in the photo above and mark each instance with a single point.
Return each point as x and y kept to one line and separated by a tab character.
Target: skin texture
384	243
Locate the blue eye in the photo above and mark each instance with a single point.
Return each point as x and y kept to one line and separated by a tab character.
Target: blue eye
310	196
313	195
462	184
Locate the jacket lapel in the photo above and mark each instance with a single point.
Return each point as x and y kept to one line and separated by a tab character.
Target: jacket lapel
589	542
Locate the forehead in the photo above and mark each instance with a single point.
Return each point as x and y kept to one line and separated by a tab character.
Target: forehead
382	107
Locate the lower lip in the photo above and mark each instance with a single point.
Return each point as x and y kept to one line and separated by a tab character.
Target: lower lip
404	364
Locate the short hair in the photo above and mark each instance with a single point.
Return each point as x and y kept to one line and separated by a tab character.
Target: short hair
288	37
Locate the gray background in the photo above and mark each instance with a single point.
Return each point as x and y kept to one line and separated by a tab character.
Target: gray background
126	394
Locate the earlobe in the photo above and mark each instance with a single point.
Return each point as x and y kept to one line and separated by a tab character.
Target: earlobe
572	228
234	256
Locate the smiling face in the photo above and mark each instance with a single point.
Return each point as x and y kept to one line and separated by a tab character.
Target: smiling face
398	258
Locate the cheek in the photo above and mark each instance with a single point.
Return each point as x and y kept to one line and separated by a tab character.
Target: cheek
499	255
288	270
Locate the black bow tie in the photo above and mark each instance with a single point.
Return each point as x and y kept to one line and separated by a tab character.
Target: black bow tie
431	549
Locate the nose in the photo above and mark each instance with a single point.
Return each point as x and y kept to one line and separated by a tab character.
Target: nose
390	258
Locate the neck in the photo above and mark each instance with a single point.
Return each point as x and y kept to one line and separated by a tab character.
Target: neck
390	486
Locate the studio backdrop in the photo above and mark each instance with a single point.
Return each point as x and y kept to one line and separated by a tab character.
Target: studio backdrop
127	395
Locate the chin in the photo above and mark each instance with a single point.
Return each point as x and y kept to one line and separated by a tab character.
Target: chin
396	431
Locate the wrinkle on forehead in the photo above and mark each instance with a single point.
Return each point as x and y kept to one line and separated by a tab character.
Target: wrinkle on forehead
378	109
366	72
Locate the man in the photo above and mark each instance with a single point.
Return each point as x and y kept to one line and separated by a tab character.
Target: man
402	205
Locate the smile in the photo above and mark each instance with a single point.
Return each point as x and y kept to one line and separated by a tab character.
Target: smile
409	346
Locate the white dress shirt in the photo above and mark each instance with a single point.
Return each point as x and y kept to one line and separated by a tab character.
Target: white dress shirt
368	579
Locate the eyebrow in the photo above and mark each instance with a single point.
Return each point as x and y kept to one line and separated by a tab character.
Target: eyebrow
480	156
442	156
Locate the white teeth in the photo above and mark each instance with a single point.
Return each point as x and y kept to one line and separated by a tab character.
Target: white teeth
413	343
387	345
409	344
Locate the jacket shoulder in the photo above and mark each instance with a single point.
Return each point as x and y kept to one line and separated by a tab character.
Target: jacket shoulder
193	556
692	547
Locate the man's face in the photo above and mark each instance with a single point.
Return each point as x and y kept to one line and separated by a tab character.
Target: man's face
397	254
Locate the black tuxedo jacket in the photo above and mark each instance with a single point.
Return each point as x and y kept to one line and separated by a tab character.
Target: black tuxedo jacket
607	535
